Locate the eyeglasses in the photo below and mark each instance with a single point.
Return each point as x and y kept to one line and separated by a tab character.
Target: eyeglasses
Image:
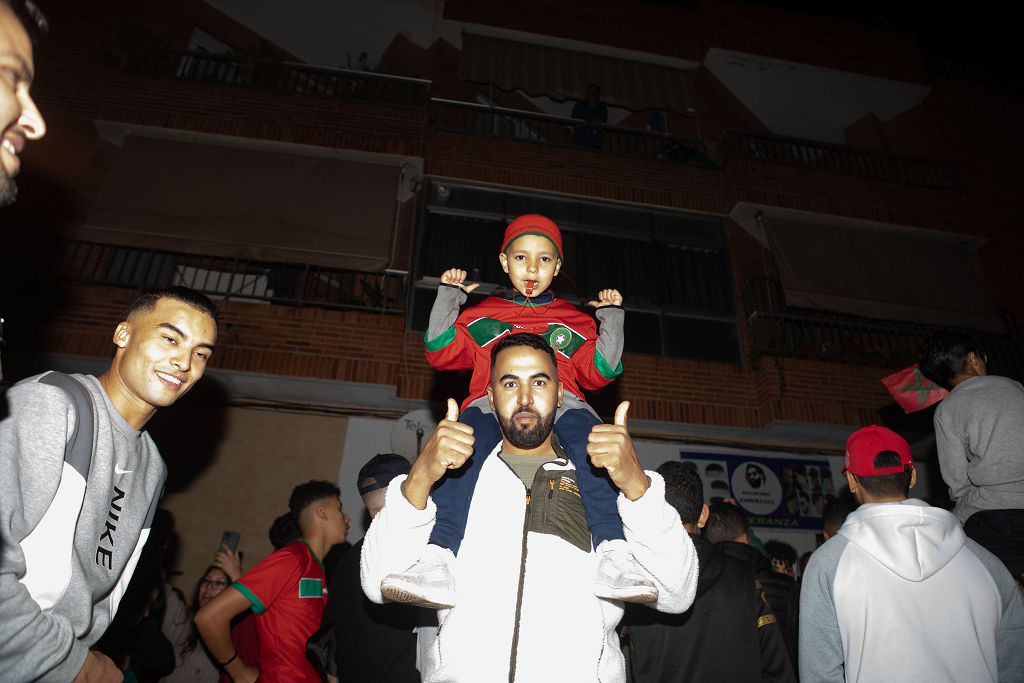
213	584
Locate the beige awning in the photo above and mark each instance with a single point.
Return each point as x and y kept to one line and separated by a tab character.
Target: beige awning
563	74
269	205
913	275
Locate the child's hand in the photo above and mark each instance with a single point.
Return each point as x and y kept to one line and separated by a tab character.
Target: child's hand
607	297
454	276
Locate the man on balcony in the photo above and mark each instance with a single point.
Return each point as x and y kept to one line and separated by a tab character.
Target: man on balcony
595	113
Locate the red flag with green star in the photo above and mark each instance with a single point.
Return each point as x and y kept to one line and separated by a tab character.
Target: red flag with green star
912	390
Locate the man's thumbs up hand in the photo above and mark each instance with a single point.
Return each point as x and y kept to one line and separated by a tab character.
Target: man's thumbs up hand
610	448
448	448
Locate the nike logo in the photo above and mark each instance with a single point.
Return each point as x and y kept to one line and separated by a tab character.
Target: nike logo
118	470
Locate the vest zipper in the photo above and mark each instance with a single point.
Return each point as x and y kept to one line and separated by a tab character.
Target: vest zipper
519	598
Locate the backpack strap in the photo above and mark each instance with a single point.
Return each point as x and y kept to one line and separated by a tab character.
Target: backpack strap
78	451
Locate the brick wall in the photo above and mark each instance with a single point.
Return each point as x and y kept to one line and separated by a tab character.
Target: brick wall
971	125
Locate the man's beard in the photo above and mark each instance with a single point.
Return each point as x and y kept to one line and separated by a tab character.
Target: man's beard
8	189
526	438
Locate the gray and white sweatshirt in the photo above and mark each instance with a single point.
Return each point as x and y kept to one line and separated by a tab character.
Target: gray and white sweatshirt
901	594
68	545
979	433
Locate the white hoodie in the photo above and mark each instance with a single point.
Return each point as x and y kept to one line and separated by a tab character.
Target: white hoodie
901	594
544	624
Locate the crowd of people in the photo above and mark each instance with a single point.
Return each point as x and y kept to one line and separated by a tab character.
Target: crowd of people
525	542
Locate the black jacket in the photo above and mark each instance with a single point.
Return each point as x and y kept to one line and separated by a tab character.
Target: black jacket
729	634
369	642
780	590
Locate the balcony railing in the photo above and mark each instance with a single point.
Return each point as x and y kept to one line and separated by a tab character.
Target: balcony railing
978	74
777	330
282	77
290	284
863	163
515	124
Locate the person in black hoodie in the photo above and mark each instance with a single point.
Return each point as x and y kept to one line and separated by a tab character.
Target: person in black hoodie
727	528
729	634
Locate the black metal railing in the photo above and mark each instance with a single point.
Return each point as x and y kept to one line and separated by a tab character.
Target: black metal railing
281	77
853	161
291	284
777	330
515	124
979	74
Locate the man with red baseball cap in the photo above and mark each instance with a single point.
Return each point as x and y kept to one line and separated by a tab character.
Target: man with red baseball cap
900	593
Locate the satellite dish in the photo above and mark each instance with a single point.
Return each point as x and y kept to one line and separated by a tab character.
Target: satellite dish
411	432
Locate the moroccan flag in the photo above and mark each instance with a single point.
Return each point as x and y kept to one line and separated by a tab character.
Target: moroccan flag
912	390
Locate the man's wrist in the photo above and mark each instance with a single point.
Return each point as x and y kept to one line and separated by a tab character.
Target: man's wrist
416	488
637	488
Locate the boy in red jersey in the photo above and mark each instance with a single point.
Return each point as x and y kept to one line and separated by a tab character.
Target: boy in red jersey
531	255
286	592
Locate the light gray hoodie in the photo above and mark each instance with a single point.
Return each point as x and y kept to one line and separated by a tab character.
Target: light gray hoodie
68	544
901	594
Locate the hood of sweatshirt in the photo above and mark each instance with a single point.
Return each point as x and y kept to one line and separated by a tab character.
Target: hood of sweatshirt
911	538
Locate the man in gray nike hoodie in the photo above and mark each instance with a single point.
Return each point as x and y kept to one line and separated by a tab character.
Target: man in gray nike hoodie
73	523
900	593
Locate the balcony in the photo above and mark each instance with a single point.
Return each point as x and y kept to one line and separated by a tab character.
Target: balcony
289	284
514	124
851	161
979	74
777	330
281	77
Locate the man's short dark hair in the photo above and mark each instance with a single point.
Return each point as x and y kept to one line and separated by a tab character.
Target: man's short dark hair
777	550
887	485
725	523
30	16
943	357
530	341
684	489
834	514
284	530
147	301
305	494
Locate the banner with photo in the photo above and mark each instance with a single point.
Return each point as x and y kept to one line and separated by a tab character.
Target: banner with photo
773	492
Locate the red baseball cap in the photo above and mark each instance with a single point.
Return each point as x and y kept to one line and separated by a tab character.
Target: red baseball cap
864	444
533	224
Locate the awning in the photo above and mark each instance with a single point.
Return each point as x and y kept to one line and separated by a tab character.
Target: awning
563	74
254	203
876	270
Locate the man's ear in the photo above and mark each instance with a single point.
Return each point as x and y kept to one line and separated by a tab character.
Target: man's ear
121	334
913	476
558	265
490	398
503	259
561	394
703	519
852	482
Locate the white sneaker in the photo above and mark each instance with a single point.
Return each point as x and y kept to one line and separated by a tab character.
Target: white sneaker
427	583
619	576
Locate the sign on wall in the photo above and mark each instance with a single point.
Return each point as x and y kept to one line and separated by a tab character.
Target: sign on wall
773	492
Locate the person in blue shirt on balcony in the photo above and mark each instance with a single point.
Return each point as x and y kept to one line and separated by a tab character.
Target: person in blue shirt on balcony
595	113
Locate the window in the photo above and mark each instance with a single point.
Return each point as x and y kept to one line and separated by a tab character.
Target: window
671	267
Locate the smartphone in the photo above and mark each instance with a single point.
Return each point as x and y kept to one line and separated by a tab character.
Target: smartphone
229	540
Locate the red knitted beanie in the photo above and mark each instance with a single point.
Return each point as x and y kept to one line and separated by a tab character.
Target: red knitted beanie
533	224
